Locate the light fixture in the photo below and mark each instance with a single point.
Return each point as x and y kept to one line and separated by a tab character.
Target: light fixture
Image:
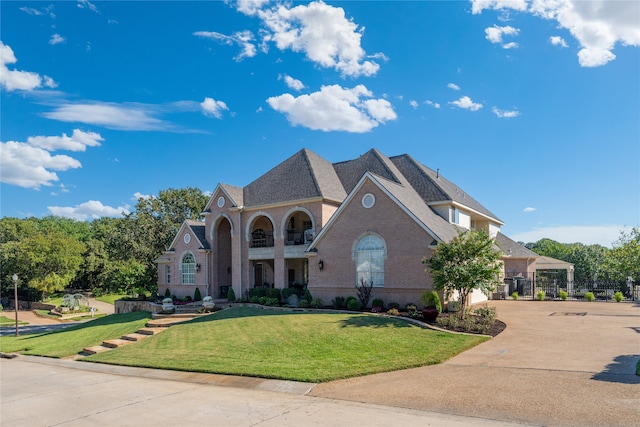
15	300
321	265
229	270
198	268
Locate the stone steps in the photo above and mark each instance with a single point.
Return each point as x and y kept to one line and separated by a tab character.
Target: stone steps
158	324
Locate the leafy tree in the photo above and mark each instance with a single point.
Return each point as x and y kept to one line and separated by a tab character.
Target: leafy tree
49	260
624	259
127	276
466	263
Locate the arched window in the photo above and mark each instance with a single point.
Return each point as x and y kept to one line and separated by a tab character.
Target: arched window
369	256
188	269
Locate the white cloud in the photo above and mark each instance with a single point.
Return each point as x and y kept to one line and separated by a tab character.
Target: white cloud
528	209
414	104
31	164
19	80
505	114
597	25
31	11
86	4
479	5
109	115
320	31
603	235
244	39
78	141
433	104
558	41
466	103
453	86
292	83
56	39
334	108
211	107
137	196
494	35
92	209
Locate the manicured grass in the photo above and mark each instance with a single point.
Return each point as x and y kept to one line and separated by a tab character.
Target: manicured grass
110	299
638	368
295	346
5	321
72	340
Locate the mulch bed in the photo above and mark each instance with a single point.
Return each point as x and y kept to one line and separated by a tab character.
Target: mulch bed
497	327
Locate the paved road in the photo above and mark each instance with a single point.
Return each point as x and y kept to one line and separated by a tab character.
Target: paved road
556	364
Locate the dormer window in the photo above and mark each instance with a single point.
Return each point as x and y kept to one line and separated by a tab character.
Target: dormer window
454	216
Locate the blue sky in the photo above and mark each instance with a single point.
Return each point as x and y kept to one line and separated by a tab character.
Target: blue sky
533	108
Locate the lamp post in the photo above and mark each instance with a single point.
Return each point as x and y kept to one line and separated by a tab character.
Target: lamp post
15	296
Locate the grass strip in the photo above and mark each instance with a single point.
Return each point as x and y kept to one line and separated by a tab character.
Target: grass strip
72	340
5	321
312	347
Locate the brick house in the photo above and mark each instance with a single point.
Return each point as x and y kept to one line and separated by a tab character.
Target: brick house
310	223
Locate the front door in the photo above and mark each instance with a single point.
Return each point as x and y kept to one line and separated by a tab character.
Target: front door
258	275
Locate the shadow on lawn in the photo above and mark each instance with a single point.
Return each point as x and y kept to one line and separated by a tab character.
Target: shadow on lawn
111	319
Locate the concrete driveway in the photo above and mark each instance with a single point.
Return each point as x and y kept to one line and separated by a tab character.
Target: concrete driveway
557	363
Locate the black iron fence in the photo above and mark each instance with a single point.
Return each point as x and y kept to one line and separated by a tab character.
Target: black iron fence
563	290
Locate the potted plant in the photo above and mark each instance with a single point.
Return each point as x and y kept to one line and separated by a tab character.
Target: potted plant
432	306
167	305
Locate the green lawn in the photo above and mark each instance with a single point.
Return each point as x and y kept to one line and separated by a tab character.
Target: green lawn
311	347
110	299
72	340
6	321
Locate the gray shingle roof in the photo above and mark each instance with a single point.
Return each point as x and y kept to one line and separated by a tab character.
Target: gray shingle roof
512	248
373	161
302	176
235	193
433	187
197	227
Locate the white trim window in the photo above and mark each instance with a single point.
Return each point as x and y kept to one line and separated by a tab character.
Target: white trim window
188	269
370	255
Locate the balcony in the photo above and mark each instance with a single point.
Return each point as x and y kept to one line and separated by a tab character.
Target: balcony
298	236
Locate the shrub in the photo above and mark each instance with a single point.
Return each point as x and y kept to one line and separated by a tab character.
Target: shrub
303	303
258	291
394	305
349	298
187	298
196	295
375	309
354	305
1	308
617	296
167	293
231	295
364	290
307	296
564	295
487	314
338	303
393	311
589	296
271	302
317	303
412	310
514	295
254	299
273	293
431	299
287	292
378	302
540	295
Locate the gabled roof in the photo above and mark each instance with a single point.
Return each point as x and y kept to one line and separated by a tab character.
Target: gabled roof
234	194
408	200
304	175
197	228
351	171
434	188
513	249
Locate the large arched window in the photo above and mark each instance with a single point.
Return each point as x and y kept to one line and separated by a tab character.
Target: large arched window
188	269
370	255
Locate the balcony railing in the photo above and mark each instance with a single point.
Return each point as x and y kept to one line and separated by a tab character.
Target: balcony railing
299	236
261	239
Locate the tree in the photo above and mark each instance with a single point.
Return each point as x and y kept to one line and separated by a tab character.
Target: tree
468	262
49	260
127	276
624	258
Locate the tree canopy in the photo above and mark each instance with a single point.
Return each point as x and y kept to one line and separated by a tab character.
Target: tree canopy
469	262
